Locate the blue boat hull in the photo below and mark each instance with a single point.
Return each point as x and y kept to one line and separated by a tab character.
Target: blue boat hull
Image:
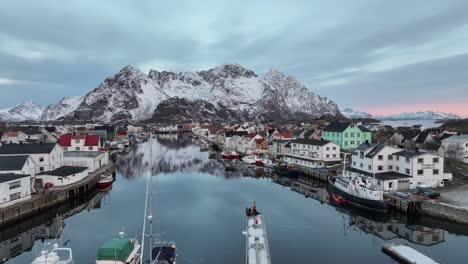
365	204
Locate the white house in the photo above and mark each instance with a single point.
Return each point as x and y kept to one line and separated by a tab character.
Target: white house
34	135
233	140
456	146
276	147
62	176
80	142
46	156
313	153
13	137
397	169
21	164
94	160
14	188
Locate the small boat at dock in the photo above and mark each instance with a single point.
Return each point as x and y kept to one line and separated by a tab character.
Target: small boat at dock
257	248
105	181
230	155
338	199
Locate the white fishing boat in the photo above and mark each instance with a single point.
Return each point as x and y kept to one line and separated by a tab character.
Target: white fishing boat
249	159
257	250
56	254
269	163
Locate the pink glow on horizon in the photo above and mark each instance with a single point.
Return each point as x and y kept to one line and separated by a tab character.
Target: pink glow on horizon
458	108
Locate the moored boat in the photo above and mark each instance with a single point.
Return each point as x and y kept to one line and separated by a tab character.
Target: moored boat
230	155
119	250
338	199
55	256
105	181
164	253
269	163
257	250
249	159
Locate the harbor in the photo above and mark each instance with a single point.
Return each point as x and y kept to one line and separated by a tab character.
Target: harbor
190	184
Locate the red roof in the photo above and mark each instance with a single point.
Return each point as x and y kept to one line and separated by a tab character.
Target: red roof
122	133
92	140
12	134
284	135
65	140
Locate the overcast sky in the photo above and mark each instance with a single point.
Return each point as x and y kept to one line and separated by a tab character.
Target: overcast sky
378	56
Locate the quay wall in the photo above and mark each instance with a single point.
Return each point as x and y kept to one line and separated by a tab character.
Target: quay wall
49	198
313	173
459	215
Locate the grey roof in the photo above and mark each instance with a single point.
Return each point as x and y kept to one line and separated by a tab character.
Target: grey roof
31	131
337	126
81	154
375	150
27	148
456	138
365	146
235	133
11	163
422	137
409	153
314	142
64	171
308	133
6	177
391	175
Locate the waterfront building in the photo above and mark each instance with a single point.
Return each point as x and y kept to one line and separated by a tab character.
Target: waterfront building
455	146
14	188
313	153
80	142
46	156
347	135
13	137
94	160
276	146
395	169
21	164
62	176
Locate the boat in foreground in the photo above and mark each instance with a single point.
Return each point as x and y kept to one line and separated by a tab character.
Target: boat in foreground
164	253
119	250
407	255
55	256
105	181
230	155
257	250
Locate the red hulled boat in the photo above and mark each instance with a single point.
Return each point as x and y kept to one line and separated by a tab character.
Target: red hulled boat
105	181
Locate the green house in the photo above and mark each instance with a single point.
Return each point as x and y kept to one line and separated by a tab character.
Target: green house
347	134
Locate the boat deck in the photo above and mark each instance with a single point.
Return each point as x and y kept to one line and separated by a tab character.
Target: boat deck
258	251
405	254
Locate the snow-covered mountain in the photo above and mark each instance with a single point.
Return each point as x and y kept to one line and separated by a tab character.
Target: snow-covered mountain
350	113
225	90
23	112
62	108
420	115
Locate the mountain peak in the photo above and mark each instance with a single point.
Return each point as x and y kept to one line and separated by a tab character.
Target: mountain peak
233	71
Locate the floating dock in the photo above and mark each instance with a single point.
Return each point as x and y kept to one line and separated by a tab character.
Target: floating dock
407	255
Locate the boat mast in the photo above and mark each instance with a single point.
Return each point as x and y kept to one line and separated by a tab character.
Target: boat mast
344	164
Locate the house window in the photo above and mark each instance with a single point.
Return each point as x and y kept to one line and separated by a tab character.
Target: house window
328	148
358	134
435	160
346	143
397	168
420	160
351	142
41	168
370	167
90	148
354	163
77	148
407	171
397	157
420	172
435	172
65	148
334	155
15	196
362	165
408	160
15	184
328	155
77	141
352	135
380	157
41	159
380	168
334	148
345	135
390	157
390	167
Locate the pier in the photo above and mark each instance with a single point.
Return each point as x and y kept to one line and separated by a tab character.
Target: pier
404	203
48	198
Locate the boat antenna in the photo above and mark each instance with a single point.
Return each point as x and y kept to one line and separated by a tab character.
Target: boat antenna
144	218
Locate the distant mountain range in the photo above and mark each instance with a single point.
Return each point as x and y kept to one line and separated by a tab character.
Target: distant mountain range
420	115
225	93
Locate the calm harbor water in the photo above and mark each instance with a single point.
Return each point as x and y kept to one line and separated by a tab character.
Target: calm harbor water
201	207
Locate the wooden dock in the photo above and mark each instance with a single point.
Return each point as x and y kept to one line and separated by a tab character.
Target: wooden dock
49	198
408	205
